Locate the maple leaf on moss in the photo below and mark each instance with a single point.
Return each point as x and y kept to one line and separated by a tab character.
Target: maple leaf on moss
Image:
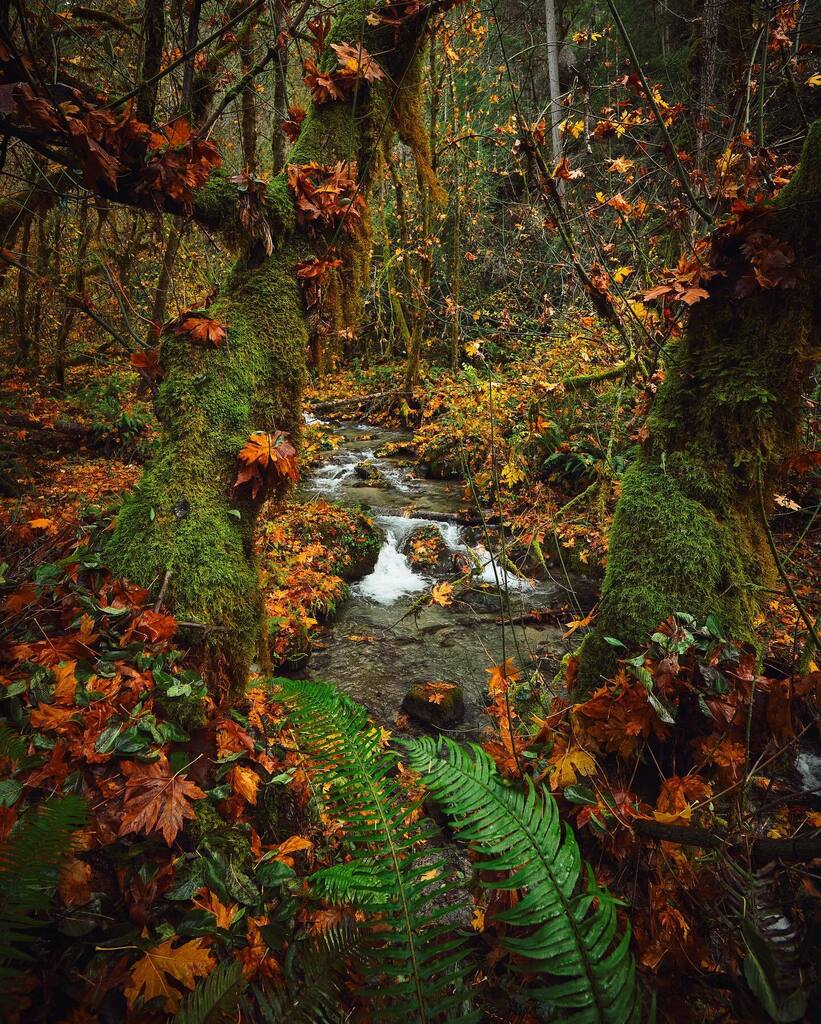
202	329
157	799
152	975
266	454
147	360
355	60
324	85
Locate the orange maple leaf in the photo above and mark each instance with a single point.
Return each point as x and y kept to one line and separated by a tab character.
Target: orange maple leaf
209	901
355	61
156	798
501	676
292	845
74	885
65	683
201	329
245	783
442	594
153	973
265	454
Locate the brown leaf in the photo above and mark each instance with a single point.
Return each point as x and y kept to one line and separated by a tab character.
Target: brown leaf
153	973
201	329
155	798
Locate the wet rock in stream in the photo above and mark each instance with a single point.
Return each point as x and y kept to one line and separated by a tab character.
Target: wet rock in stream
370	475
440	704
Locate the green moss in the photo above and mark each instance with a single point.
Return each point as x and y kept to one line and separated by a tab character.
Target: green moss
183	515
669	553
187	712
208	825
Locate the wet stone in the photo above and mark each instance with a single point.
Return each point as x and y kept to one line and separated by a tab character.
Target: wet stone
440	704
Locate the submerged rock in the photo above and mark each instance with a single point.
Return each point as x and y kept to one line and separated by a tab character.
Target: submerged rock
370	474
440	704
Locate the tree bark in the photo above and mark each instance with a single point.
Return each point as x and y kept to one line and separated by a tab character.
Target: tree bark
185	516
688	534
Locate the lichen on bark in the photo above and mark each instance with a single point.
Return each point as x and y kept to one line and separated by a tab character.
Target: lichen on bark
688	534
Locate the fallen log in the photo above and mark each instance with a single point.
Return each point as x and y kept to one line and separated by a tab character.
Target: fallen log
798	848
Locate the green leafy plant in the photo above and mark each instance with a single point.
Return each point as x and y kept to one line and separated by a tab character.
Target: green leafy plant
420	964
215	997
556	930
313	977
30	861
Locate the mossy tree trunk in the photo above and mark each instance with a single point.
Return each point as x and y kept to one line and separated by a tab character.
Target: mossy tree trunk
688	532
184	521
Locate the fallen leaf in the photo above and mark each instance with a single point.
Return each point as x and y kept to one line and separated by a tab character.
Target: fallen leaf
245	782
442	594
152	974
156	798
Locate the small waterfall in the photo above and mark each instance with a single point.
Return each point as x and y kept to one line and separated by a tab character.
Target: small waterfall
393	577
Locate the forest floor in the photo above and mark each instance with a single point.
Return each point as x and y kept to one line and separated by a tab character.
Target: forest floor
98	686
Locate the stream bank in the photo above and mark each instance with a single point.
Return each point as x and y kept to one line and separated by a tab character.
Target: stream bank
384	639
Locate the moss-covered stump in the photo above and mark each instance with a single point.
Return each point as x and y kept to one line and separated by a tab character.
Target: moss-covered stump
688	532
439	705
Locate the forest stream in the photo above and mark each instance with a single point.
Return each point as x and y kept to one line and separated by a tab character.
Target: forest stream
383	641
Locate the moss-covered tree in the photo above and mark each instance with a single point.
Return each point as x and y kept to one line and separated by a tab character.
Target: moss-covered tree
688	532
185	522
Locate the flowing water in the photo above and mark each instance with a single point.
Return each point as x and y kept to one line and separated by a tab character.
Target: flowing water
381	642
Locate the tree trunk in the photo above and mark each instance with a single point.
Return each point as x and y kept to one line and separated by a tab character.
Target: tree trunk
280	95
688	533
184	517
70	309
555	109
21	308
160	304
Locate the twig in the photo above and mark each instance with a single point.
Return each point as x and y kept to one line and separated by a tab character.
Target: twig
685	181
163	589
802	611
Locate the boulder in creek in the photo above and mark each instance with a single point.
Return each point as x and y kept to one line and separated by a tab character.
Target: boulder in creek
440	704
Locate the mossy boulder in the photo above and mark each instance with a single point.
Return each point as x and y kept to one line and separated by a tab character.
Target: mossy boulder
426	550
370	475
439	705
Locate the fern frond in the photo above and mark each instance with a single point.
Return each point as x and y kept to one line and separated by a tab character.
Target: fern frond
420	963
313	975
351	884
561	933
215	997
12	744
30	861
772	938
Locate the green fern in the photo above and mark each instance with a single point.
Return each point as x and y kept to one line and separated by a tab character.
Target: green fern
214	998
12	744
517	831
349	884
30	861
408	945
313	976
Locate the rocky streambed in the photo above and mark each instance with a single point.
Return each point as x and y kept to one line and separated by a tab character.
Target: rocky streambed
385	643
